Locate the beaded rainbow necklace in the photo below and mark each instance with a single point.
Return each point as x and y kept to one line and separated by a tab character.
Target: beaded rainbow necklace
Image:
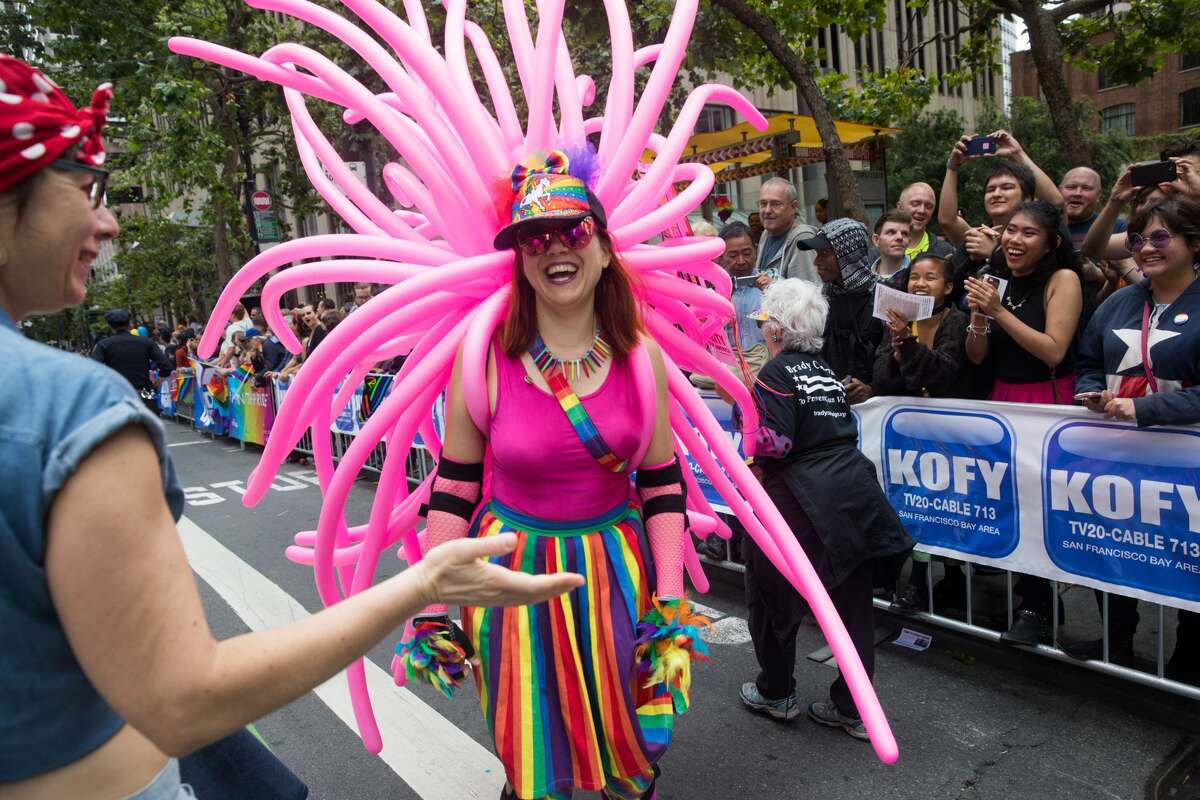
572	368
557	373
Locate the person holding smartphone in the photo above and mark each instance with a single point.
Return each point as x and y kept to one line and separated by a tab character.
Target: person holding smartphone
1001	198
1139	361
1026	338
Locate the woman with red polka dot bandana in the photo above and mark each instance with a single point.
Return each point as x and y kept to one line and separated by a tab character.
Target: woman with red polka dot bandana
108	670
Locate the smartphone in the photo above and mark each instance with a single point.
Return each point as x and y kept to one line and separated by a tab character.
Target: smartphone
1154	173
744	280
991	280
981	146
1084	397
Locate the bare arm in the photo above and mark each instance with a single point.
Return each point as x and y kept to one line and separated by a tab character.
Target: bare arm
129	606
977	343
463	441
662	447
1064	301
1044	188
953	226
1100	243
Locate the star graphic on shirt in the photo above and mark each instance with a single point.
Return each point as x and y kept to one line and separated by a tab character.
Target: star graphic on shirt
1132	337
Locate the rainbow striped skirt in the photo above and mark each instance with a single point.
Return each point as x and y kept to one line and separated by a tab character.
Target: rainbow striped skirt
556	680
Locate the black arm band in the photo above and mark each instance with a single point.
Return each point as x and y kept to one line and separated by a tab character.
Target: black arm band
663	504
454	471
452	504
659	476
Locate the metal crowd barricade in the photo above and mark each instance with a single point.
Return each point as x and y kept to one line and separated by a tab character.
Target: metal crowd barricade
968	625
420	463
417	467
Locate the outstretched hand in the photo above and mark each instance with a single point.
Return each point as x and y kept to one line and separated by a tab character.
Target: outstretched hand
458	573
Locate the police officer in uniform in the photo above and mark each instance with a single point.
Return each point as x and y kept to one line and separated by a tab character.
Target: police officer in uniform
132	356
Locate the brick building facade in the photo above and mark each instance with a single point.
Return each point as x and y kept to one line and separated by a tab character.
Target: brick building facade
1166	103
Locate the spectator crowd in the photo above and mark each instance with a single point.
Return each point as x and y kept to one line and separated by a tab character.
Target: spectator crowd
1034	304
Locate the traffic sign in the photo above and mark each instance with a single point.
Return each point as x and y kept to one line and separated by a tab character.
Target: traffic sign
261	201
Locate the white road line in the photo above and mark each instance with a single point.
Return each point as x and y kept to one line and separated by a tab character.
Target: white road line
707	611
186	444
435	758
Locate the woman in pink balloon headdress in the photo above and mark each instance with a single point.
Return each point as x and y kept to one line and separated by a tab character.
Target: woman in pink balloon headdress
580	692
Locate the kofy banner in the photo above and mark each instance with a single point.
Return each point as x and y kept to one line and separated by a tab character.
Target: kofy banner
1049	490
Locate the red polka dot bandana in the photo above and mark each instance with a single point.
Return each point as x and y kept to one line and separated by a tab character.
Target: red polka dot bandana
38	123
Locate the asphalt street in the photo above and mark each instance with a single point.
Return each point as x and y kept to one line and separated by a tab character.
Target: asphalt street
969	725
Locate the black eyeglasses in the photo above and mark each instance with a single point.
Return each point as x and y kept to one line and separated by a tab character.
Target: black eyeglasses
96	188
573	235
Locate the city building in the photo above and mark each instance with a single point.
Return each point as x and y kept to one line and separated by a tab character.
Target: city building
1167	102
908	36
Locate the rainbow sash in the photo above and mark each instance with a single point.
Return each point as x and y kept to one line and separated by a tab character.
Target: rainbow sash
577	415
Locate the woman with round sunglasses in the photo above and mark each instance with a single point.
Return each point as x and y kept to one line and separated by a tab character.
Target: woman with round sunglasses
108	670
566	419
1139	361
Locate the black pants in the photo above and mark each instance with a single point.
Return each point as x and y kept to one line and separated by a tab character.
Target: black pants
1123	619
776	610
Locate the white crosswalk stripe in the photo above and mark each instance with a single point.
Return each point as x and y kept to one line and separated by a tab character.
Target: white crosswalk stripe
430	754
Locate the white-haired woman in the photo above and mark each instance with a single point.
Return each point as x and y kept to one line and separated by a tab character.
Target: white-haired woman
810	465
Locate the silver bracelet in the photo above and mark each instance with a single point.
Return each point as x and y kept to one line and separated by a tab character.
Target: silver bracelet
979	330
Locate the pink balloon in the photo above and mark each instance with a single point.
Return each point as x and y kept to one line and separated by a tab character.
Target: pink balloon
649	107
450	290
297	250
476	346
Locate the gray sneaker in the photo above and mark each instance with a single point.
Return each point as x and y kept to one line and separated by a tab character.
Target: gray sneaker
784	710
827	714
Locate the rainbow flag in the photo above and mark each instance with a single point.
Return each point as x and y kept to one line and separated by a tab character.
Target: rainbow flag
218	387
183	384
375	389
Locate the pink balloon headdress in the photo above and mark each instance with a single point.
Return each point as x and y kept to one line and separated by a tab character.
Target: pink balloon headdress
433	245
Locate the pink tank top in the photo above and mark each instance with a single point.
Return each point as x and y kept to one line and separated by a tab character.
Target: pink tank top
539	466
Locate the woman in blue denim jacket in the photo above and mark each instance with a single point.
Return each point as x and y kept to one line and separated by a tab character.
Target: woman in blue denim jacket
108	669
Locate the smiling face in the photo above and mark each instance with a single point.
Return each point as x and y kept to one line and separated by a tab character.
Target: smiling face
565	278
1081	191
919	202
776	208
928	277
47	250
1001	197
1024	243
1176	257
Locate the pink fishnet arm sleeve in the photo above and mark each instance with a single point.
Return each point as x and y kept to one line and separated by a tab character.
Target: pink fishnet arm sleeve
665	532
446	526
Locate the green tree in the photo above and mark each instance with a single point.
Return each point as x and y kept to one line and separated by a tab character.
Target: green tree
786	28
1127	40
919	152
183	130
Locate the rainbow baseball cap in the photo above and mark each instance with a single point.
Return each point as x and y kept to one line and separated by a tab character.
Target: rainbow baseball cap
544	189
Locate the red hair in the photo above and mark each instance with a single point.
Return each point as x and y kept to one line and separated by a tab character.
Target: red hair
616	308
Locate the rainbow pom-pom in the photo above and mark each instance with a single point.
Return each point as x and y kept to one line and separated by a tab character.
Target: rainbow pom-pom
668	640
436	654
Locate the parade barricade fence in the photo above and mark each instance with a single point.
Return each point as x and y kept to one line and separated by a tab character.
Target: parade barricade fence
1052	491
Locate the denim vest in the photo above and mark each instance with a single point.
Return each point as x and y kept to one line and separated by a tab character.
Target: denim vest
55	408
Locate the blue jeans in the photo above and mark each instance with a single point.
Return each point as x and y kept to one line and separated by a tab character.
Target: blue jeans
240	766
